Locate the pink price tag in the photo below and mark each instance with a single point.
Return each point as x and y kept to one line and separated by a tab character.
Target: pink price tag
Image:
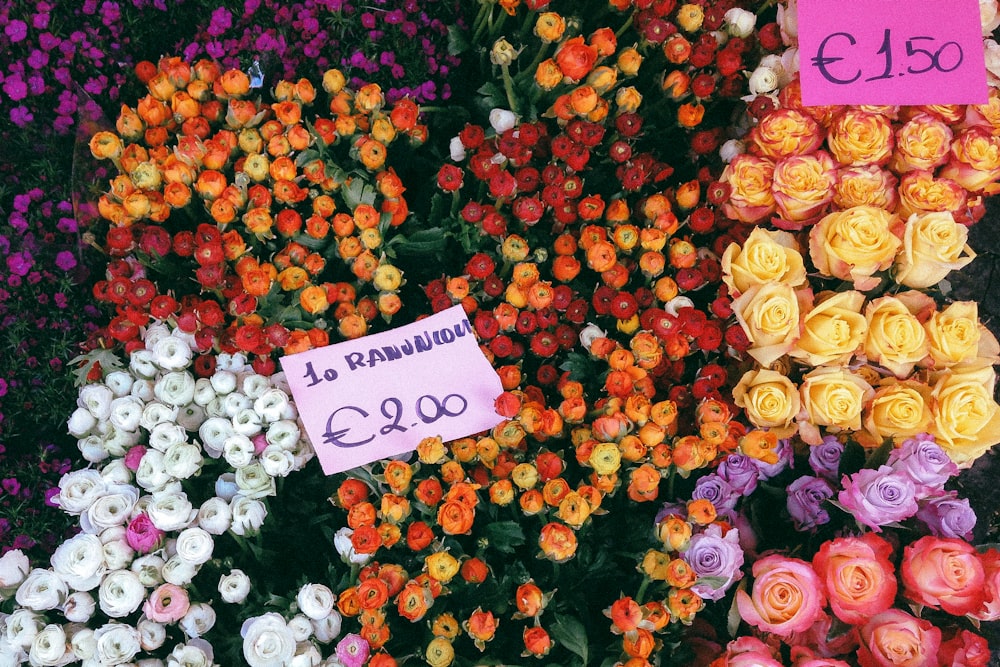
380	395
891	52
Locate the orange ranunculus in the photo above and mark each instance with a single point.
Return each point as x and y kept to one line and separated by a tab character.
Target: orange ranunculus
369	98
548	75
690	115
372	153
234	83
537	641
455	518
684	604
644	483
313	300
549	27
575	58
413	601
557	542
481	627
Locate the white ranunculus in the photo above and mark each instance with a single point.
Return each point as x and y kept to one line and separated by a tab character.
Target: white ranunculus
306	654
149	569
677	303
21	627
271	405
172	354
213	433
157	413
267	641
119	382
48	648
277	462
79	607
283	433
14	567
315	601
301	628
117	643
342	543
183	460
112	509
142	389
175	388
151	474
195	545
170	511
234	587
325	630
117	552
188	655
215	409
247	422
502	120
92	448
199	619
155	332
178	572
142	364
41	590
225	486
235	362
254	482
78	489
763	80
739	22
116	473
126	412
254	385
234	403
165	434
214	516
223	382
589	334
151	634
238	450
96	398
191	416
117	442
788	23
204	392
80	561
81	423
989	16
248	515
83	643
120	593
456	149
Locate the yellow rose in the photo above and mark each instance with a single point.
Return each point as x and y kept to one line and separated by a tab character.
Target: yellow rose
865	185
920	191
766	256
922	142
785	132
857	137
769	399
975	159
957	336
749	179
854	244
934	245
833	330
896	340
966	418
770	316
803	186
898	410
834	397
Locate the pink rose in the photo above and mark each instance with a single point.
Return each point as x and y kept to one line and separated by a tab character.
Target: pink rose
858	576
990	611
964	649
166	604
787	596
944	573
896	639
747	652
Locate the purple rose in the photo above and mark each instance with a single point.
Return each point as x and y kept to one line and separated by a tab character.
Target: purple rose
806	496
923	461
824	458
717	561
741	472
879	497
717	490
948	516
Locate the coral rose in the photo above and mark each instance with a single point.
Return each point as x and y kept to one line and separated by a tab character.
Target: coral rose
784	132
858	137
922	142
802	188
866	185
750	179
858	576
896	639
787	596
944	573
920	191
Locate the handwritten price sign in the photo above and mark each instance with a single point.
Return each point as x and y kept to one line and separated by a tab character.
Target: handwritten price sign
891	52
378	396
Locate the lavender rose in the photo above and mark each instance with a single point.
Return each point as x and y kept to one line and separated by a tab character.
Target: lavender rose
717	560
879	497
741	472
806	496
948	516
786	459
824	458
925	462
717	490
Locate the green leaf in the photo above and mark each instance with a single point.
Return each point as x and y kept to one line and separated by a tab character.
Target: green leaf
108	360
570	632
493	95
504	536
423	243
457	41
881	455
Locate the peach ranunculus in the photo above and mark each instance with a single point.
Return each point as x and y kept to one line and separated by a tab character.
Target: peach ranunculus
896	339
920	191
934	245
966	417
766	256
834	397
854	244
750	179
957	336
923	142
858	137
784	132
832	330
898	410
769	399
802	188
897	639
858	576
868	185
770	315
787	596
975	159
944	573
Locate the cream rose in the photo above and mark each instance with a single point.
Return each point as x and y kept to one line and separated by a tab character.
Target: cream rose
896	340
770	317
957	336
855	244
766	256
868	185
898	410
834	397
934	245
966	418
769	399
832	330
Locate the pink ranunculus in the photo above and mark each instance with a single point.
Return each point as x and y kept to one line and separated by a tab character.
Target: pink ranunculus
168	603
787	596
858	576
142	535
944	573
897	639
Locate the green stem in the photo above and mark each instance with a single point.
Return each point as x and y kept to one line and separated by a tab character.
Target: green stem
508	86
641	593
481	22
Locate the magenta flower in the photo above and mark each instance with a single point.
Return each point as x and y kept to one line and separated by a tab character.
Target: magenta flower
352	650
16	30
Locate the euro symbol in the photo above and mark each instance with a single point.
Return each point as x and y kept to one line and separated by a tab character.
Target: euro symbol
332	437
821	61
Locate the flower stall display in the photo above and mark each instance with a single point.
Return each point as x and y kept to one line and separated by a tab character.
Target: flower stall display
735	398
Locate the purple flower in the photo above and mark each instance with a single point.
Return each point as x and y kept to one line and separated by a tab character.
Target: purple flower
19	263
11	486
948	516
352	650
741	472
923	461
824	458
717	490
21	116
65	260
717	561
15	88
16	30
222	20
878	497
806	496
